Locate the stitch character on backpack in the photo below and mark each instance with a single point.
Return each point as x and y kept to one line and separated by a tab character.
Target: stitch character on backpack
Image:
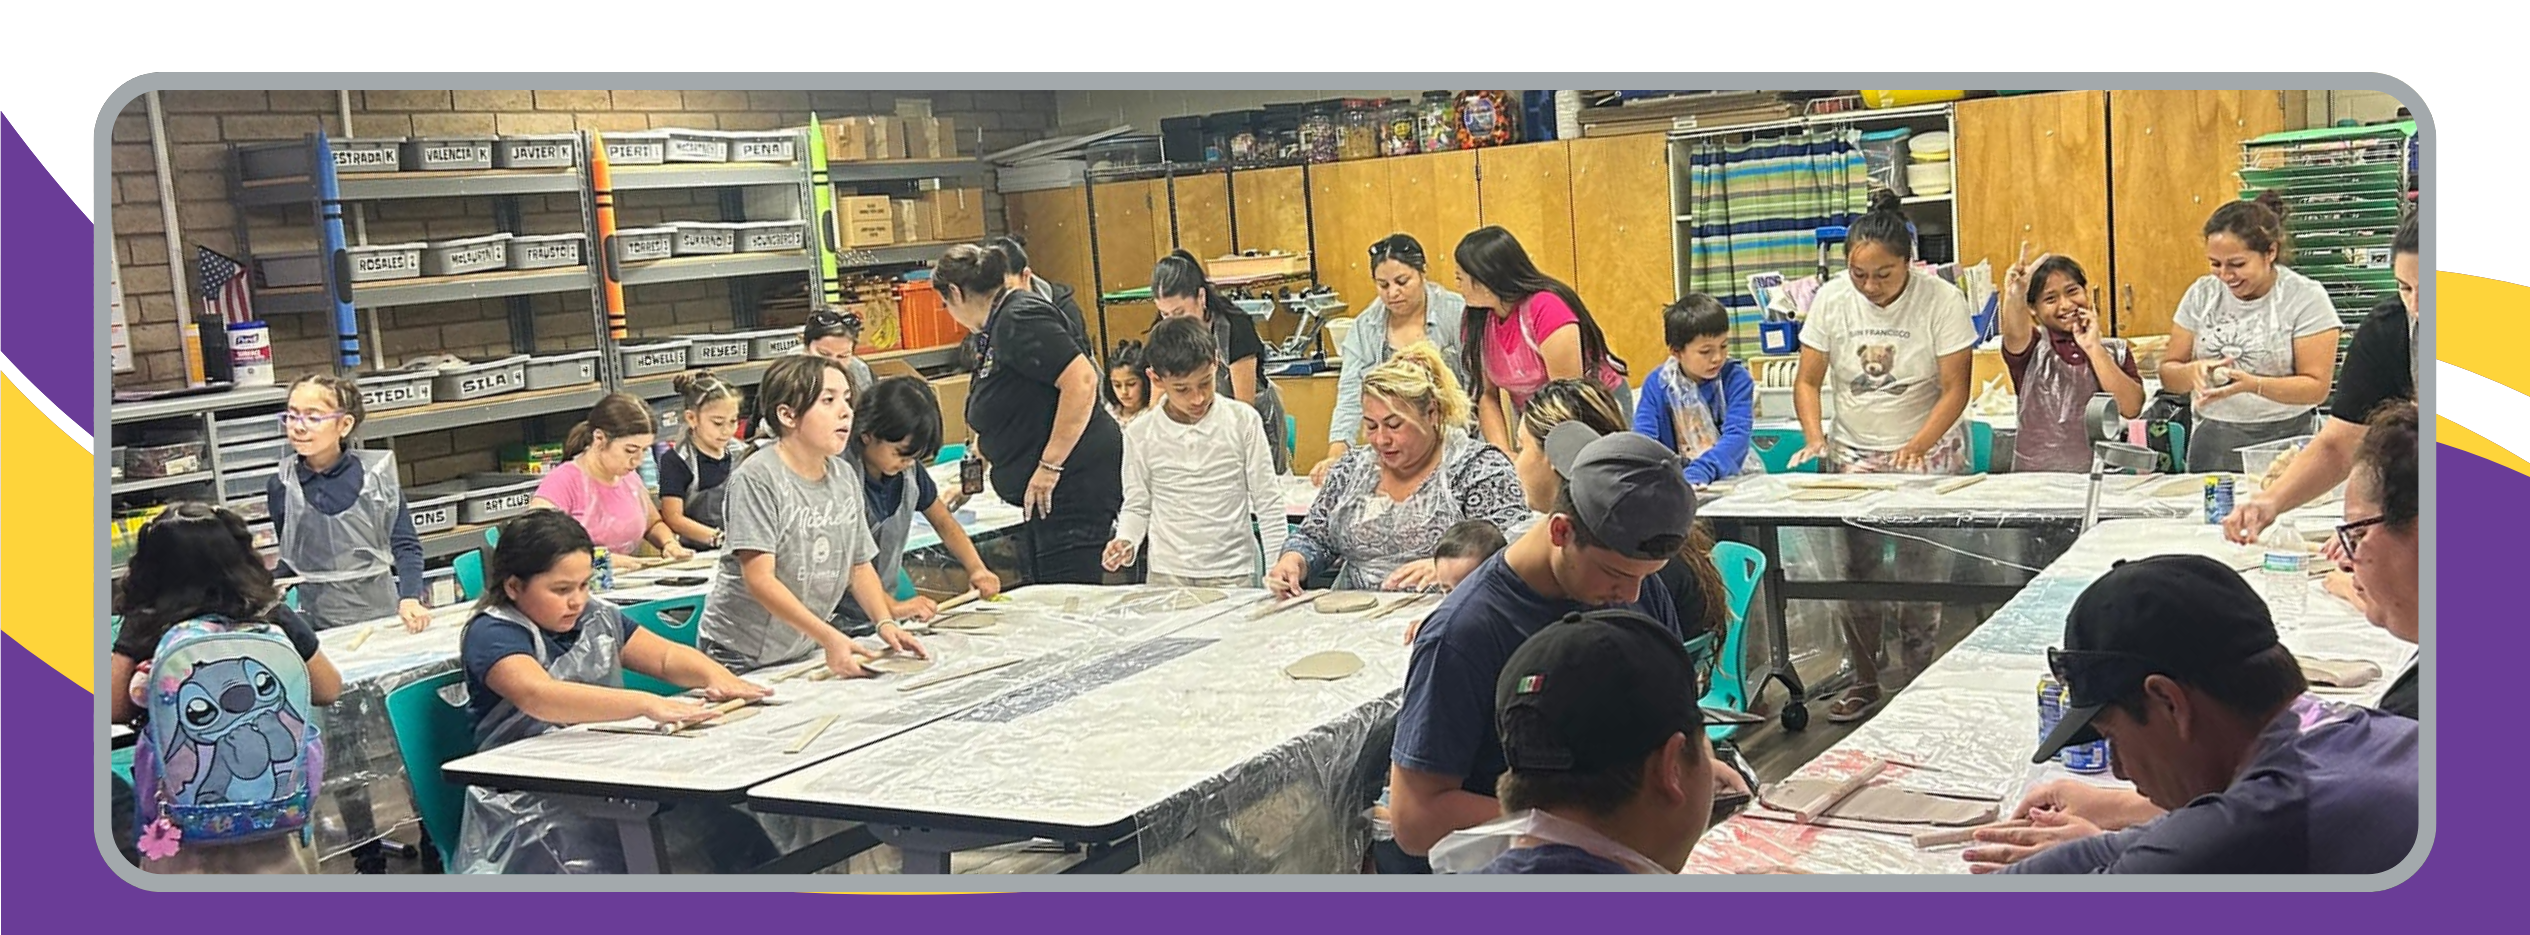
228	754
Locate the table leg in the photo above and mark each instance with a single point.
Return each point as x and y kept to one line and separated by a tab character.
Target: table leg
636	825
928	850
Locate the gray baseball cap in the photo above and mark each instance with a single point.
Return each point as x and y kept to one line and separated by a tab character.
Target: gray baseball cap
1630	492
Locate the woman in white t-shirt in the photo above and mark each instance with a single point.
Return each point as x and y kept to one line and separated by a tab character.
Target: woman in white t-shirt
2253	342
1892	342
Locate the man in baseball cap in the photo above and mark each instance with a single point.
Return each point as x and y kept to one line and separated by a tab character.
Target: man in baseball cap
1609	768
2174	660
1623	510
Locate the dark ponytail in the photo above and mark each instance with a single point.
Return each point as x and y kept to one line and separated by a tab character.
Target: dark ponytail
1883	225
1180	276
619	415
1494	259
2258	224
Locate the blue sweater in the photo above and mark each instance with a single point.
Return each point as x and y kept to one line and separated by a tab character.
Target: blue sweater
1731	397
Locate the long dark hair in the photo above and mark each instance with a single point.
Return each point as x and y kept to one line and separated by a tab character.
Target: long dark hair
1495	260
1127	356
530	543
1180	276
194	559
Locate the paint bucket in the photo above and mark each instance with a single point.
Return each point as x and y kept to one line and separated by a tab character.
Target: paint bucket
250	353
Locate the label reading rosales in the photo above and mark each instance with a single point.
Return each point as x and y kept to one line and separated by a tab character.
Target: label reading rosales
388	262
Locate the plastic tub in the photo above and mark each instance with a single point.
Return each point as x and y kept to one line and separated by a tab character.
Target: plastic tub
442	154
1928	178
483	497
703	237
716	350
480	379
769	343
652	357
2257	460
253	454
432	514
638	244
545	251
466	255
768	236
763	146
560	370
1884	158
1878	100
1930	147
697	145
536	151
167	460
380	392
636	148
370	263
243	428
247	484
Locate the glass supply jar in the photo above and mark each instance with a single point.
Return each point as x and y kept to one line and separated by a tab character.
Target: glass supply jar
1436	122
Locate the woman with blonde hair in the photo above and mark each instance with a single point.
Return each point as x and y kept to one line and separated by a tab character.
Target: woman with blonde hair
1418	472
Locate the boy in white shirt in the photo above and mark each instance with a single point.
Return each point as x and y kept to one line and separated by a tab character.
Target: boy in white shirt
1197	474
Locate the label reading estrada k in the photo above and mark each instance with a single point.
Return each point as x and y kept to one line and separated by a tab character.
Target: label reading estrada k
344	158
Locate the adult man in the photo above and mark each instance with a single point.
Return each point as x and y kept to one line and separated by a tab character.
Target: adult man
1622	512
2174	660
1609	768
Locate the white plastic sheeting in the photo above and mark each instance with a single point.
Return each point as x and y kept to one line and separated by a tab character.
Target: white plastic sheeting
1973	717
366	795
1191	739
1997	500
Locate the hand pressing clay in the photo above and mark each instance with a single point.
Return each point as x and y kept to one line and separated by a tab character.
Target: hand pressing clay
1345	602
1326	666
1886	805
2340	673
896	664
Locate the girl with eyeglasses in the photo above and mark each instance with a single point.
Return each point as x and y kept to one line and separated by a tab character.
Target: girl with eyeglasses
340	516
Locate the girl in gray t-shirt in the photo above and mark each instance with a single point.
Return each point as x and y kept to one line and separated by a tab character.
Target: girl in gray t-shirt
795	539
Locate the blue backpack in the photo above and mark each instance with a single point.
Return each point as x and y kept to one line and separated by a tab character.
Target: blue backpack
229	752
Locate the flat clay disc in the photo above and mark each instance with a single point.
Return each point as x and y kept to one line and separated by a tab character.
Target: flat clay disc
1327	666
896	664
1345	602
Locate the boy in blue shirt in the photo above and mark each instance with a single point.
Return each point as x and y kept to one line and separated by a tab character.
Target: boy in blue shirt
1701	403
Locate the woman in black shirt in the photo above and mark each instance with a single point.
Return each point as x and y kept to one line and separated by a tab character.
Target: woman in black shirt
1034	409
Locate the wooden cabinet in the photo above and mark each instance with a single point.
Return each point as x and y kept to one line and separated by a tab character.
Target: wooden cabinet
1132	231
2174	155
1273	209
1203	215
2034	169
1622	252
1352	205
1527	190
1056	225
1433	197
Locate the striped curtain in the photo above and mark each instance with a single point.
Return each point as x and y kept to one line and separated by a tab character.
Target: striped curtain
1757	205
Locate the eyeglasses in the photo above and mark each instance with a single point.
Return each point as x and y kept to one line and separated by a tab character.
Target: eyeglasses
293	420
2351	535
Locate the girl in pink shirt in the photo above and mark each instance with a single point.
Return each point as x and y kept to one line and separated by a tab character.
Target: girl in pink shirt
1524	329
601	485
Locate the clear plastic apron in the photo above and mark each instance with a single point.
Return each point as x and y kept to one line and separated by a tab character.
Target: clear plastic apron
524	832
1525	373
1470	850
345	561
708	506
2053	395
1693	423
1269	400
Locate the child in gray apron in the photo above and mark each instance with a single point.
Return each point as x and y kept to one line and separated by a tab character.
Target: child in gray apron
345	561
896	433
692	501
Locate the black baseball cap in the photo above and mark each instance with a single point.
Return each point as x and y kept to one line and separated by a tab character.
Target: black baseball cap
2188	617
1629	491
1593	691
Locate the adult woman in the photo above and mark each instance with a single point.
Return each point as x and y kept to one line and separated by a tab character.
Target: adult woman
339	513
1418	473
599	484
837	336
1181	290
2378	540
1034	409
1523	329
2047	303
1410	308
1894	340
2254	342
1014	257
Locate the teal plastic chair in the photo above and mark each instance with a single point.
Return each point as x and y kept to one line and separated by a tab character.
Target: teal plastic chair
1741	565
676	618
469	568
1776	446
1980	446
290	597
430	730
904	586
951	454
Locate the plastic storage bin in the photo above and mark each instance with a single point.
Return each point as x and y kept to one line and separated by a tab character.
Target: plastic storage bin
380	392
697	146
702	237
432	514
442	154
636	148
370	263
167	460
652	357
638	244
480	379
545	251
253	454
763	146
228	430
247	484
574	369
483	498
466	255
1884	158
536	151
769	343
716	350
769	236
2256	460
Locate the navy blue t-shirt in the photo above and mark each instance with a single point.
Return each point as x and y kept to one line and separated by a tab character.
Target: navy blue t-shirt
1446	726
488	641
882	494
1551	858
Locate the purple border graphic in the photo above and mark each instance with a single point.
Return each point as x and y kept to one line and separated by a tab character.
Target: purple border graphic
57	879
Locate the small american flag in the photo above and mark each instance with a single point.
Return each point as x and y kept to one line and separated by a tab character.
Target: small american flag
223	286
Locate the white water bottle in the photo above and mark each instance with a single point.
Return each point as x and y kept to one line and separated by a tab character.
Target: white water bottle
2285	570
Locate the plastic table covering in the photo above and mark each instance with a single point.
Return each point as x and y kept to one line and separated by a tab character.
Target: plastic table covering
1973	715
1187	752
366	795
1048	628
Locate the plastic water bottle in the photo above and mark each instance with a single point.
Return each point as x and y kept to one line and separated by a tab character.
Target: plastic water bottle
2286	571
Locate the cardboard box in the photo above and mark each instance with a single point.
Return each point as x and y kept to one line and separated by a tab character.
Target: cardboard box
913	108
931	138
865	139
859	234
912	222
955	214
850	208
952	392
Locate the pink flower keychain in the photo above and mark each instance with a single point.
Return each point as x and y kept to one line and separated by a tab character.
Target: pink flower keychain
161	840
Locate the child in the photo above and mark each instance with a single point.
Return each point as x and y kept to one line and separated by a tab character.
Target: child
339	514
2050	297
1462	548
600	484
1128	388
796	539
540	654
198	560
899	433
692	480
1700	402
1196	473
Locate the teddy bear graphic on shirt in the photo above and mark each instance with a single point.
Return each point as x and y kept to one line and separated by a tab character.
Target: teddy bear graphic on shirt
1879	365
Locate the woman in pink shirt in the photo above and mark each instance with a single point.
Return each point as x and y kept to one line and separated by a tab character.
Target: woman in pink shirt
1524	329
601	485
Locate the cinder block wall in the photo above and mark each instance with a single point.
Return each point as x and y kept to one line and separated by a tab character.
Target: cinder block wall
200	126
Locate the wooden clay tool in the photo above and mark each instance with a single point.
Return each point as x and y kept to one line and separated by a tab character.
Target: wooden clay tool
1286	604
810	735
954	676
1927	840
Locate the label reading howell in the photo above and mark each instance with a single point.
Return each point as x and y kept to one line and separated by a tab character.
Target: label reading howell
388	262
658	359
363	157
436	154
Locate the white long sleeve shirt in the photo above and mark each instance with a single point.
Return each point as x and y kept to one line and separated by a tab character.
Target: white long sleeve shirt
1194	489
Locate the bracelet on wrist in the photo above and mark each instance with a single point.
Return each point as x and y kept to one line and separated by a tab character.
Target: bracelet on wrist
1050	466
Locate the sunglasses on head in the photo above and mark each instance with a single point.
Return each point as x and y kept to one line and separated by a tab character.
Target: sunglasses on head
1410	256
832	321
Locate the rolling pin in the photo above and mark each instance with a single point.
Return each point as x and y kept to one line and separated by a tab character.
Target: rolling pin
1826	803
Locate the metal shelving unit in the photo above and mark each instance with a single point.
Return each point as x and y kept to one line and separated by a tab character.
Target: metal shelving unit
140	484
1168	172
2347	187
492	285
391	186
170	407
462	413
892	254
724	266
712	175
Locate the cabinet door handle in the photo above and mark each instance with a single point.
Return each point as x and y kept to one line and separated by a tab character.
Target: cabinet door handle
2130	297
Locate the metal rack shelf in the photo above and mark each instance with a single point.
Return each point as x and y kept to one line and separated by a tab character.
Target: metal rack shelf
892	254
138	484
301	300
661	385
721	266
390	186
178	406
462	413
898	170
708	175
